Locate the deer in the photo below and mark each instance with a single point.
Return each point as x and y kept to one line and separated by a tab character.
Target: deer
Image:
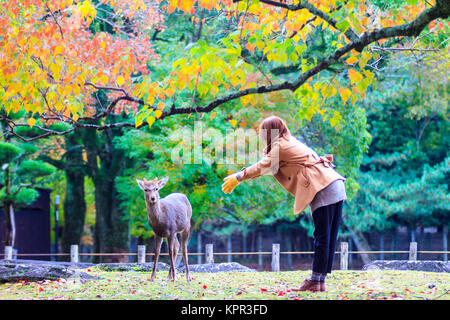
167	217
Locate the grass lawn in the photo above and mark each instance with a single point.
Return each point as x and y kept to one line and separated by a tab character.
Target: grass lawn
341	285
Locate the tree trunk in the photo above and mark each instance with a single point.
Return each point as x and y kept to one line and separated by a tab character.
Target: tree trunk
362	245
381	245
260	247
229	248
74	202
105	163
74	210
199	246
394	242
111	230
253	244
10	222
288	241
349	255
445	241
413	234
244	244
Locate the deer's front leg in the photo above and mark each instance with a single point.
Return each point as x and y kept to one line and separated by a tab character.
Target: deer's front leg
158	241
171	245
176	247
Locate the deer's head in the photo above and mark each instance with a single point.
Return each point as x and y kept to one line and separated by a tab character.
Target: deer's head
151	188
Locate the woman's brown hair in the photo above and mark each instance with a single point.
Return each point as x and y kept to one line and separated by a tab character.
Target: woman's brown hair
269	124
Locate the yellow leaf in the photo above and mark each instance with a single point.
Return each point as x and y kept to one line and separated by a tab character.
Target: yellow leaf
158	113
151	120
31	122
354	76
120	80
58	50
233	122
345	94
365	58
335	119
55	69
104	79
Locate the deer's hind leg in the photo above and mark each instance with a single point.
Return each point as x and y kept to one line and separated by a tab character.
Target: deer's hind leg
158	241
185	235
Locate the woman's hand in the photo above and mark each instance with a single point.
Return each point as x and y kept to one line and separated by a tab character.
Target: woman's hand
231	182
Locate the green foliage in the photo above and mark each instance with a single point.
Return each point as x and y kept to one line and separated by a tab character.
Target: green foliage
23	197
33	169
369	209
19	176
416	200
8	152
404	177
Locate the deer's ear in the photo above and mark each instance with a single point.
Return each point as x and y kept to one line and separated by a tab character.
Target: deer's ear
162	182
141	184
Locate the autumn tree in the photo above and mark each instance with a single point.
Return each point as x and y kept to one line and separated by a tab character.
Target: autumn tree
48	72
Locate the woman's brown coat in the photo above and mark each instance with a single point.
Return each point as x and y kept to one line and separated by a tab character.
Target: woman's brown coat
297	168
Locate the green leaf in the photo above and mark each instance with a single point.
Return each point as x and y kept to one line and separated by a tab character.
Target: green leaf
343	25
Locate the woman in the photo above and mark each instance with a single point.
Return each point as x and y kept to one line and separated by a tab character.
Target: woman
311	180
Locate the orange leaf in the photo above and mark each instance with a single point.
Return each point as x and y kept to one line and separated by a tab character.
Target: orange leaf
351	60
345	94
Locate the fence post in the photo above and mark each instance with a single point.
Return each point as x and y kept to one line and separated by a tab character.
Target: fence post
275	257
209	254
413	251
8	253
141	254
74	253
344	255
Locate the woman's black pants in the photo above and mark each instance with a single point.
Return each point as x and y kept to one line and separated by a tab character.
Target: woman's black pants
326	226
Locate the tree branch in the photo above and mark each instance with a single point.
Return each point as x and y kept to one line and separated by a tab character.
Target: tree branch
349	33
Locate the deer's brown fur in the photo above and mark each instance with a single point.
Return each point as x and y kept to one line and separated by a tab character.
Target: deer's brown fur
168	217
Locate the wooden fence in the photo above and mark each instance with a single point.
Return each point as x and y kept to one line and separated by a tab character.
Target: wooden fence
209	254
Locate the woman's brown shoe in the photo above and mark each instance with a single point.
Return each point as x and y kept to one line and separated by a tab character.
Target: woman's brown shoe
310	285
322	286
